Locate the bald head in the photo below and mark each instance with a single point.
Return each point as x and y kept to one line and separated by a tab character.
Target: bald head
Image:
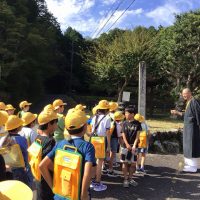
187	94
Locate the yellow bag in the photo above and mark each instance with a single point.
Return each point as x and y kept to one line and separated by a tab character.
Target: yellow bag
13	156
142	140
99	146
35	157
67	173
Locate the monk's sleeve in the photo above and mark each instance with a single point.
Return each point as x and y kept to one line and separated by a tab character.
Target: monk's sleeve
197	111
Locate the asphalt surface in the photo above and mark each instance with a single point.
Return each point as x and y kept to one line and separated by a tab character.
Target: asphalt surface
163	180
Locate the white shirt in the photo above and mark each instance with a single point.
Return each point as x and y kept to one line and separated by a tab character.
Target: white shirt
29	134
103	126
119	129
144	126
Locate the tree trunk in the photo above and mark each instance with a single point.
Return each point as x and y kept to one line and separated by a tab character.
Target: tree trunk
189	80
121	89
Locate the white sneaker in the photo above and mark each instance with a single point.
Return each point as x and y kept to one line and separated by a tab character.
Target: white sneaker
188	168
126	183
98	187
133	183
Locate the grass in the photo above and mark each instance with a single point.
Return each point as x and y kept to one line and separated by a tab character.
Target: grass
164	124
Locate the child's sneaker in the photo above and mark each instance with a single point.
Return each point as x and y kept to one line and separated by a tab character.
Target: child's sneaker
126	183
115	165
92	184
111	173
133	183
142	171
137	171
98	187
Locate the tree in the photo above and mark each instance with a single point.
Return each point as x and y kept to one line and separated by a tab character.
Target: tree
116	62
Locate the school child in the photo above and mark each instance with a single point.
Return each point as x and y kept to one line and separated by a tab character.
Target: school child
113	107
116	138
130	129
101	127
76	125
2	106
142	143
24	106
58	106
28	127
10	109
13	125
47	121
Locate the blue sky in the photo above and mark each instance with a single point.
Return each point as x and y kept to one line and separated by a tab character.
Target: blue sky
89	16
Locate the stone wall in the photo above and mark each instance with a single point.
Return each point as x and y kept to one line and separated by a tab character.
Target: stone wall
166	142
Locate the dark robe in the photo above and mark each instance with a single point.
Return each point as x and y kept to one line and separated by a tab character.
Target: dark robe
191	131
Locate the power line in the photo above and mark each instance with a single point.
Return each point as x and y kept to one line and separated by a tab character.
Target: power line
98	27
119	4
121	15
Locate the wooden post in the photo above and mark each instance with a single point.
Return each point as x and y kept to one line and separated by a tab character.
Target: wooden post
142	89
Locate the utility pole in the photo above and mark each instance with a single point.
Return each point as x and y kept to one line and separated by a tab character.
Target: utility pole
71	67
142	89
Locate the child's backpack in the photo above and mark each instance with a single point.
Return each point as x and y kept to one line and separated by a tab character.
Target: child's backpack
67	178
142	139
35	157
13	156
99	142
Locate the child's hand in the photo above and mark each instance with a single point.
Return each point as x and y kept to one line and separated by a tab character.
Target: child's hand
133	150
129	147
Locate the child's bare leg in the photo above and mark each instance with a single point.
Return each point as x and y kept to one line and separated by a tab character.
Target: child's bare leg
125	170
143	160
98	170
132	170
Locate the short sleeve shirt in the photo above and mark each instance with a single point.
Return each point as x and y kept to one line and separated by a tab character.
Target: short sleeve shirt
47	144
103	126
130	129
29	134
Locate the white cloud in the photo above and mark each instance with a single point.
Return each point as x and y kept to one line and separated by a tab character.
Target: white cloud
108	2
69	12
165	14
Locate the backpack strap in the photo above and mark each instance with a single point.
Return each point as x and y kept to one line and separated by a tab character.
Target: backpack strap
97	125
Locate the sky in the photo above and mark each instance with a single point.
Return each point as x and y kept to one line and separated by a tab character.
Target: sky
93	17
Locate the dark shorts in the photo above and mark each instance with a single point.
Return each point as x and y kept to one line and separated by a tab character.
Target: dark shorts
142	150
127	156
114	145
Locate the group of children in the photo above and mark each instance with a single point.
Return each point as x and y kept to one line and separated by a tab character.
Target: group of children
125	129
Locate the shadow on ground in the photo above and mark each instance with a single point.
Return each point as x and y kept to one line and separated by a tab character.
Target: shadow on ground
159	183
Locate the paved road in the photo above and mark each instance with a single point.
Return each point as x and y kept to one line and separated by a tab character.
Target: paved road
162	181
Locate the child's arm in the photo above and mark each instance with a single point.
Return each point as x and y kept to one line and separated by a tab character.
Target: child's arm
128	146
108	139
45	166
136	142
86	180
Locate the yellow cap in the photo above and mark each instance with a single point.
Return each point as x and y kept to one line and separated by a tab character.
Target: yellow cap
14	189
103	105
2	106
9	107
113	106
80	107
13	122
28	117
3	117
139	118
46	116
57	103
24	103
75	119
118	115
94	110
49	106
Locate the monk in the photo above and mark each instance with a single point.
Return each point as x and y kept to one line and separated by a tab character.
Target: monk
191	131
